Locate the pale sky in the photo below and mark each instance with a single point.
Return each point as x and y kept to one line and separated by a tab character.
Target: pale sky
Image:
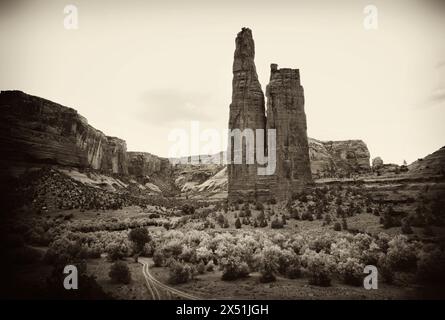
139	69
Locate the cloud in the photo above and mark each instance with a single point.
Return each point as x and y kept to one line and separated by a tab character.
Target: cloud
167	106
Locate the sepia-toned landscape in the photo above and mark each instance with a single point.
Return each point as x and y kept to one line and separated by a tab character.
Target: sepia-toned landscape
138	226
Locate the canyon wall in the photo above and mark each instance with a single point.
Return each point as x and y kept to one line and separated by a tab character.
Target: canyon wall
35	132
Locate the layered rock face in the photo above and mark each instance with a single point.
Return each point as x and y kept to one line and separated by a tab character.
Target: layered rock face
338	159
35	131
285	114
246	112
147	164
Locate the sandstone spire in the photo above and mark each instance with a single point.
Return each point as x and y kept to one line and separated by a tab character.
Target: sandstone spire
285	114
246	111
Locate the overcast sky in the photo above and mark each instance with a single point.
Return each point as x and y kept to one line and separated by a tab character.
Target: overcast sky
139	69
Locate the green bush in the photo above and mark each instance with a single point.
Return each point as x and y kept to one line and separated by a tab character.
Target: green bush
120	273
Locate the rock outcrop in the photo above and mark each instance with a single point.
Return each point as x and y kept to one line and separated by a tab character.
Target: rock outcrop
377	163
432	165
338	159
285	114
35	131
247	111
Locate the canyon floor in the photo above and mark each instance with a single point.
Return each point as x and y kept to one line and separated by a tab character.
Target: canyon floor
333	229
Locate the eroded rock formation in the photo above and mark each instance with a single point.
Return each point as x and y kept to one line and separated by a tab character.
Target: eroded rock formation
35	131
338	159
246	112
285	114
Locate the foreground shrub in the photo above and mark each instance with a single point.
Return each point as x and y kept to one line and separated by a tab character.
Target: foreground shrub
269	263
276	224
401	254
120	273
431	266
319	267
158	258
233	269
337	226
351	271
179	272
139	237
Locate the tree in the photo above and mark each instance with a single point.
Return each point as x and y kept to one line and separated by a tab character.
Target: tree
139	237
237	223
120	273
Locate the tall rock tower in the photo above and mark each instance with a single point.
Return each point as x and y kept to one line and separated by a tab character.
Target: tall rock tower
246	111
285	114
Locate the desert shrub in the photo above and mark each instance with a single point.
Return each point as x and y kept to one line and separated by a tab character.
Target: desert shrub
337	226
372	254
276	224
319	267
351	271
188	209
269	263
188	254
210	266
327	219
63	251
201	268
406	227
139	237
233	269
115	252
382	241
179	272
385	270
237	223
388	219
158	258
154	216
431	266
149	249
259	206
173	248
120	273
203	254
401	255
